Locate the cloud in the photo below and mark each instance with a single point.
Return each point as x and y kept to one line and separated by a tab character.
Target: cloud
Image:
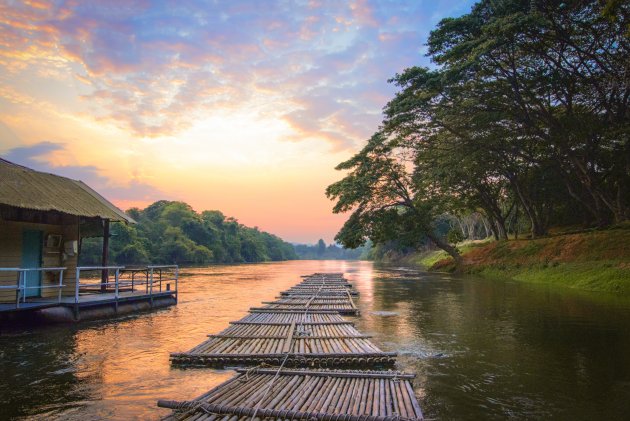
154	68
38	157
7	136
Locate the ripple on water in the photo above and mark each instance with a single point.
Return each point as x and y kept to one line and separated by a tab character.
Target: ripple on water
385	313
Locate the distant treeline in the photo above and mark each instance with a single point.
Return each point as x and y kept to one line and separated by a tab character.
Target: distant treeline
321	251
172	232
521	125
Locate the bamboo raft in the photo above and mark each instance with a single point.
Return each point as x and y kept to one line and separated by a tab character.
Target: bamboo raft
301	328
304	394
303	331
288	318
340	304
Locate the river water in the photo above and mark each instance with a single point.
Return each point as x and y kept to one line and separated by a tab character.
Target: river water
481	349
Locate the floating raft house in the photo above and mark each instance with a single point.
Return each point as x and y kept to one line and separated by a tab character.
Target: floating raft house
299	331
304	394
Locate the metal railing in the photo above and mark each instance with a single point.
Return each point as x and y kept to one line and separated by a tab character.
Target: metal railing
150	280
97	285
21	288
146	280
165	274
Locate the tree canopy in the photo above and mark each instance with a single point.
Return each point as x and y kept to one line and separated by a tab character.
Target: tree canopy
172	232
321	251
525	113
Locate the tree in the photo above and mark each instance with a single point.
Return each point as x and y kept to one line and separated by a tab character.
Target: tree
173	232
321	248
525	118
385	202
558	72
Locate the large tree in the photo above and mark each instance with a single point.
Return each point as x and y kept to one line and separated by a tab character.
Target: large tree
559	71
527	112
384	200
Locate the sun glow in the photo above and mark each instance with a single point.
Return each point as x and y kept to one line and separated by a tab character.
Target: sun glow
247	113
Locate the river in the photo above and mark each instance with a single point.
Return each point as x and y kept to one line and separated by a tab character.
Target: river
481	349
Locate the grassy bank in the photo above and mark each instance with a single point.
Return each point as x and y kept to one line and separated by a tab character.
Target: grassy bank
595	260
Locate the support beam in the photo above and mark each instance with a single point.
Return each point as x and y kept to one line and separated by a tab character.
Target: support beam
105	256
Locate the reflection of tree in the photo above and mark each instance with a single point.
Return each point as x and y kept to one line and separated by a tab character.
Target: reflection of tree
536	352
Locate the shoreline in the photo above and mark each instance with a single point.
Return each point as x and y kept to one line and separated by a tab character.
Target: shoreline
597	261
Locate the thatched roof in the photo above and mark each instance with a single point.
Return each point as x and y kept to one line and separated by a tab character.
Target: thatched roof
25	188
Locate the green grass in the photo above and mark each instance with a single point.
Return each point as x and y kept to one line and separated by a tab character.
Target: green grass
429	259
597	260
589	276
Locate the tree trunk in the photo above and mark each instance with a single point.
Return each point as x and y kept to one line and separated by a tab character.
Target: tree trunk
493	211
537	228
486	228
493	228
516	223
452	251
501	230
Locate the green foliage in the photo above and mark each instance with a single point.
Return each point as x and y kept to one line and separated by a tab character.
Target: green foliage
525	121
387	203
320	251
172	232
455	236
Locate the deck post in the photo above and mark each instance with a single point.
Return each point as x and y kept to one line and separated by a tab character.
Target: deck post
176	279
60	285
116	288
76	286
77	280
19	288
105	256
151	287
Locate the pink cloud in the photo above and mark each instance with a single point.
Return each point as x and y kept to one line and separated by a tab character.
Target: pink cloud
154	67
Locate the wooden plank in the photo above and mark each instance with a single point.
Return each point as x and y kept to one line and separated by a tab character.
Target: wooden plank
321	394
297	355
271	413
276	310
351	300
287	342
239	322
236	336
366	374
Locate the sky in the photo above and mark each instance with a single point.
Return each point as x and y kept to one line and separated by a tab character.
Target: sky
241	106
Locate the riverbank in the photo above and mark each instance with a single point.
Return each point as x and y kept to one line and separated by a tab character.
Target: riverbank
594	261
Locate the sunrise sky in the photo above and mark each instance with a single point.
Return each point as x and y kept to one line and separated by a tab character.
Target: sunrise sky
241	106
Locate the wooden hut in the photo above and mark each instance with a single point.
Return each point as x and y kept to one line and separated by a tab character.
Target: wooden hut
43	218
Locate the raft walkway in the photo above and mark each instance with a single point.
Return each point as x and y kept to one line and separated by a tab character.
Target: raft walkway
303	328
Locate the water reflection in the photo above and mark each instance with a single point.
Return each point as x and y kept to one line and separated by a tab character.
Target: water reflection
481	349
488	349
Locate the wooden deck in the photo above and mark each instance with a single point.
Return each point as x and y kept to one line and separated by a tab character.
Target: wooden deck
303	328
86	300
